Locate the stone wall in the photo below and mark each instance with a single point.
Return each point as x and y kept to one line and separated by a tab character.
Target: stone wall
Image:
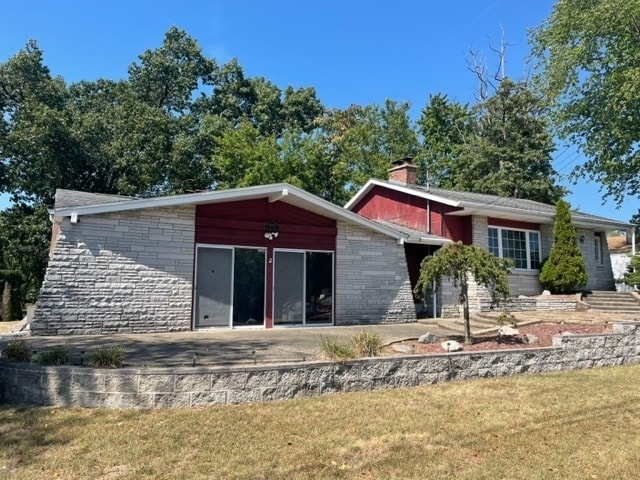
200	386
372	279
127	272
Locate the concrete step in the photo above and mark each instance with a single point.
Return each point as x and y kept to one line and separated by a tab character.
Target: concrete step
612	302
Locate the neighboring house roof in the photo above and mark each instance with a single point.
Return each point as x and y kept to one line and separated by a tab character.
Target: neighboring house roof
76	204
490	205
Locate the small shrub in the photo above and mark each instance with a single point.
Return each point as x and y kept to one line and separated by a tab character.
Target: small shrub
56	356
335	350
16	350
108	357
366	344
506	318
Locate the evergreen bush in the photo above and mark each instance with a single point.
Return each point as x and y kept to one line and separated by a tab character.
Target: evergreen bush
564	270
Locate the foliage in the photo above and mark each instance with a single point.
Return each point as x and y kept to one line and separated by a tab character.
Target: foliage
446	128
335	349
24	241
16	350
108	357
58	355
636	220
501	146
366	344
588	53
510	155
463	264
632	275
564	270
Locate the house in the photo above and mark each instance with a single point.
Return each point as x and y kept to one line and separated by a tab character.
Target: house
508	227
277	256
265	256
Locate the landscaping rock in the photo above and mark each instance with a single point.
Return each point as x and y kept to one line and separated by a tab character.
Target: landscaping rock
531	339
428	338
400	348
508	332
452	346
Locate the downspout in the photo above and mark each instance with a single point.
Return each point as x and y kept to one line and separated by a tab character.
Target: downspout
428	216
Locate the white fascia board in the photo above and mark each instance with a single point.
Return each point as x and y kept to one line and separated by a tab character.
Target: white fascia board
399	188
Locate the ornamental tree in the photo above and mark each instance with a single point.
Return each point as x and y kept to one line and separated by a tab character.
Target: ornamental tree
463	264
564	270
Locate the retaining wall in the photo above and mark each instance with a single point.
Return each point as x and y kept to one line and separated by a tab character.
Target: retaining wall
199	386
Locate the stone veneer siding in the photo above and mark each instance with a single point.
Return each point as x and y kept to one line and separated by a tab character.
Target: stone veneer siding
199	386
526	284
372	279
600	273
126	272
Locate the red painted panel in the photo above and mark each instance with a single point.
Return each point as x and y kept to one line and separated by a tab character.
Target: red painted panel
242	223
397	207
411	211
501	222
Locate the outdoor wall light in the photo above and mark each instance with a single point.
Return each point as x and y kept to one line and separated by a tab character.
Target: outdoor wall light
271	230
581	238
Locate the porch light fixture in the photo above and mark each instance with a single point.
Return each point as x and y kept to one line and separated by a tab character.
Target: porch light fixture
271	230
581	238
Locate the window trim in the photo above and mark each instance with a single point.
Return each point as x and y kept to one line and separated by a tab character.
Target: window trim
527	243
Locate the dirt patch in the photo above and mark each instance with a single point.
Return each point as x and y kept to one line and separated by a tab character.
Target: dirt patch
544	332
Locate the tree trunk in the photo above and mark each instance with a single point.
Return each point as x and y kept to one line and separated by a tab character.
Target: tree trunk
5	308
464	296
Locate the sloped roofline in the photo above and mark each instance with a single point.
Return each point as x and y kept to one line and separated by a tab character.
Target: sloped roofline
274	192
579	219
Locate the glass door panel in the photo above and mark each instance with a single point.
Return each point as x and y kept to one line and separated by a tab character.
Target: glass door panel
319	288
288	285
213	287
248	286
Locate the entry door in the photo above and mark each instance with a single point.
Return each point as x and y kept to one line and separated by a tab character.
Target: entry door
214	273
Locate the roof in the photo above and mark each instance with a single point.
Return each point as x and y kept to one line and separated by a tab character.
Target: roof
413	235
77	204
71	198
491	205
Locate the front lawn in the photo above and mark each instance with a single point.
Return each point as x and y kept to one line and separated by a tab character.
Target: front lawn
575	425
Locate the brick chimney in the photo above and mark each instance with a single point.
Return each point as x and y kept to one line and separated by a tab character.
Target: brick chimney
403	171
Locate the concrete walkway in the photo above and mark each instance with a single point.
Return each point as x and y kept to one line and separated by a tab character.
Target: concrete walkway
220	347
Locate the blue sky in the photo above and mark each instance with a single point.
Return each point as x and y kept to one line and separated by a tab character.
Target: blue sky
352	52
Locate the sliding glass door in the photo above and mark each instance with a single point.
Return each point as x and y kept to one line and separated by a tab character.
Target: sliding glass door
230	287
303	288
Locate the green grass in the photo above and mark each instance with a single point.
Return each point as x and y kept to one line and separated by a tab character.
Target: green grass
575	425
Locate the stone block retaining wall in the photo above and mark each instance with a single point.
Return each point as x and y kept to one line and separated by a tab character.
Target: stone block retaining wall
199	386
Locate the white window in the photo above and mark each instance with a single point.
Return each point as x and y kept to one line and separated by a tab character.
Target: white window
597	246
521	246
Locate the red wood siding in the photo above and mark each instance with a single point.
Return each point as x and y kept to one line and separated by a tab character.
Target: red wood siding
501	222
242	223
411	211
397	207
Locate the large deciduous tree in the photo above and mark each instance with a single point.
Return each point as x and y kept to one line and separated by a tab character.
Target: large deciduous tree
463	264
589	70
564	270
